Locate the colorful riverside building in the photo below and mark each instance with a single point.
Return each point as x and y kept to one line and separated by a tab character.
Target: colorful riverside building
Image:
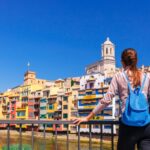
41	99
4	103
8	104
59	102
92	89
30	93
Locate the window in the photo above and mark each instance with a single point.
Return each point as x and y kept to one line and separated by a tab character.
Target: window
96	126
106	50
65	115
43	116
31	114
50	116
51	106
110	50
85	86
21	114
93	92
91	85
107	126
66	98
49	125
65	107
31	107
43	108
65	125
88	93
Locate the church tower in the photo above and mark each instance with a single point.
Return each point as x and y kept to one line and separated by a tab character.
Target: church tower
108	58
108	50
29	78
107	64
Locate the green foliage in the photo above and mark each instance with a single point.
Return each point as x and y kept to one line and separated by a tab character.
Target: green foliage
72	82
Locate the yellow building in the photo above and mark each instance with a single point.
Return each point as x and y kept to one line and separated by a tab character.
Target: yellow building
30	91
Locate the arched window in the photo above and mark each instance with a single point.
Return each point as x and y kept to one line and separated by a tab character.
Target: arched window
106	50
110	50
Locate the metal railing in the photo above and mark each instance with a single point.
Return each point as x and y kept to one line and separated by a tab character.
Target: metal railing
44	123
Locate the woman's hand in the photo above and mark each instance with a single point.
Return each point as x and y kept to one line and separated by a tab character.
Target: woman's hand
77	121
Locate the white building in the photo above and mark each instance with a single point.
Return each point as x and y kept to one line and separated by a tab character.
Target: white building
93	87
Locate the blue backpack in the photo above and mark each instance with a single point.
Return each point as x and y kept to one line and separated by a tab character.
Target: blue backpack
137	108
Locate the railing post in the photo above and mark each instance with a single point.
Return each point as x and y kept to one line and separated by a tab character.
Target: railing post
32	136
101	136
20	137
55	136
67	137
8	136
78	137
112	136
90	137
44	134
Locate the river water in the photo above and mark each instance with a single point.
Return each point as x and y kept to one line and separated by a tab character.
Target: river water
39	144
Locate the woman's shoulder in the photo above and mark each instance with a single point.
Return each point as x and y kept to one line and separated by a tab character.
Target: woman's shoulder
119	74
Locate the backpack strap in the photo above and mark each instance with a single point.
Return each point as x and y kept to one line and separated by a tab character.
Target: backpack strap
143	83
128	82
129	85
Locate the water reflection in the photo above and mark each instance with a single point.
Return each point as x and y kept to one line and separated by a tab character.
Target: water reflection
39	144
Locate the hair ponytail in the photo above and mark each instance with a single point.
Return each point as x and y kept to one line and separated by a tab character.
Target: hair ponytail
129	59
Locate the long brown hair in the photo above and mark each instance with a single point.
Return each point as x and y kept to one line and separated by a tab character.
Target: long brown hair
129	60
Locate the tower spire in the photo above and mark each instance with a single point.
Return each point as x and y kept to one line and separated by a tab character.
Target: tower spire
28	65
108	39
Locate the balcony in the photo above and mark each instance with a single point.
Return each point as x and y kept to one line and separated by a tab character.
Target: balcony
42	112
24	103
51	101
31	103
43	104
21	108
87	97
86	107
20	124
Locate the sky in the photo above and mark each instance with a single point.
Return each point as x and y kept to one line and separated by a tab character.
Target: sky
60	37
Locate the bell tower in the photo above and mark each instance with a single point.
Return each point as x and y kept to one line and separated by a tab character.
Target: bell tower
108	58
29	77
108	50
